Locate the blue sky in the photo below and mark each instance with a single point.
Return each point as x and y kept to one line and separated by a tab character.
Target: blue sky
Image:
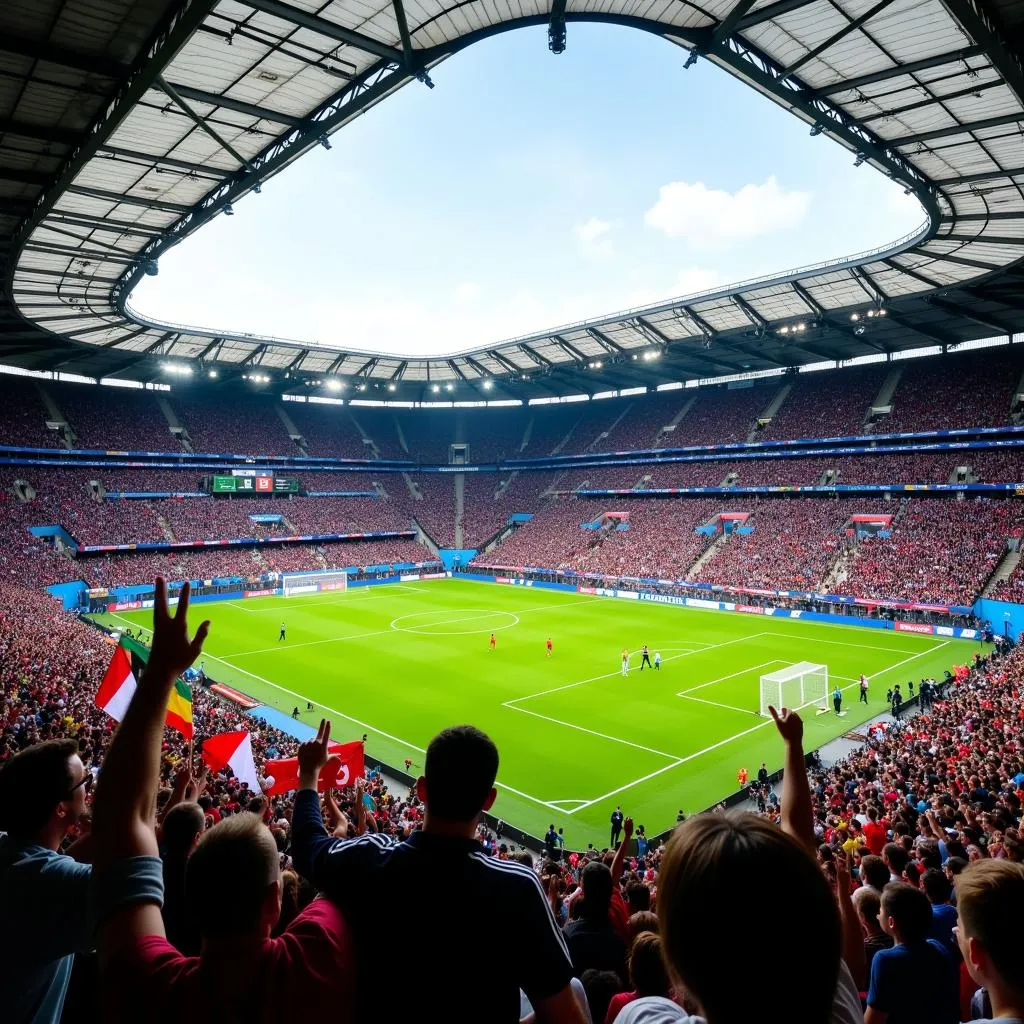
528	190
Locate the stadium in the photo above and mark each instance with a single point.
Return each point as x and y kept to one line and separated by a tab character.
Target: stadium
618	547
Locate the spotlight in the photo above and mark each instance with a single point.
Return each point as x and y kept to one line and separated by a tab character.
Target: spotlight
881	312
488	385
229	210
391	387
362	387
435	388
212	374
783	330
855	317
333	385
449	387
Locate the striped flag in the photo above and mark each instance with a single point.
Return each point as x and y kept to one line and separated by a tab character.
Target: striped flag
122	679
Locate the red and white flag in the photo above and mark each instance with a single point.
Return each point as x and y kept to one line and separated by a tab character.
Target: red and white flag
285	773
232	750
118	686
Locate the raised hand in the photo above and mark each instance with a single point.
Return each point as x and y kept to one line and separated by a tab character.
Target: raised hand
313	755
172	651
789	724
627	829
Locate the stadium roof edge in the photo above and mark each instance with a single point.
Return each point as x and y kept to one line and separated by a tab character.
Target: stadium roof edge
835	69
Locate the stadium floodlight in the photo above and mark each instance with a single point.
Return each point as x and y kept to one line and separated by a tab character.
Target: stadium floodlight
391	387
488	385
449	387
362	387
212	374
177	369
855	317
435	388
333	384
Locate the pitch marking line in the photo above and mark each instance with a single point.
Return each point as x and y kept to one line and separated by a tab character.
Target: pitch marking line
608	675
715	703
733	675
355	721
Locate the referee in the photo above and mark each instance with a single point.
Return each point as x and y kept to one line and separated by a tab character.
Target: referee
645	658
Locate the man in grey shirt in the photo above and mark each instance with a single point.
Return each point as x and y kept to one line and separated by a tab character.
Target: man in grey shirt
46	904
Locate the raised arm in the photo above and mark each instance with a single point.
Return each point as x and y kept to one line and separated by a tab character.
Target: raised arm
620	854
797	815
123	821
853	936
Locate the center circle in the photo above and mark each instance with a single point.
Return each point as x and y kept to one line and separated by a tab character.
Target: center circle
455	622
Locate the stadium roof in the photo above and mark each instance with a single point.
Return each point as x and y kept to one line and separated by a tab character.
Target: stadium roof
125	126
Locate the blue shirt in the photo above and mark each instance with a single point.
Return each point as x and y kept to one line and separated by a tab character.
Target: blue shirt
47	914
915	984
944	919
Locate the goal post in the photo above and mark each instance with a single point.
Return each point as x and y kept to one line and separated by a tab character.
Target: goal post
798	686
294	583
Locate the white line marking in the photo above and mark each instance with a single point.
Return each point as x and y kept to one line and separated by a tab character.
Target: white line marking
630	785
914	657
715	703
733	675
846	643
287	646
608	675
594	732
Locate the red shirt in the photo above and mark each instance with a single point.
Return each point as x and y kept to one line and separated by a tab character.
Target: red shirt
618	1002
875	837
309	966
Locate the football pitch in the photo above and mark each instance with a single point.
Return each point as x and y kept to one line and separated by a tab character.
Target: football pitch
402	661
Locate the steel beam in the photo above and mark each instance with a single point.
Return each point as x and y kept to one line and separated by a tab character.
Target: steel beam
164	161
968	179
24	176
117	198
179	101
985	319
40	132
952	258
53	54
702	325
328	29
771	11
212	99
826	44
957	129
980	26
604	341
926	332
910	68
916	274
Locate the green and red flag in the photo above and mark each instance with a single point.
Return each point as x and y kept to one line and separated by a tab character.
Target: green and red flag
122	679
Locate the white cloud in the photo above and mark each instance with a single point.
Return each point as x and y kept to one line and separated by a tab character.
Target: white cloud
705	216
697	279
467	291
591	235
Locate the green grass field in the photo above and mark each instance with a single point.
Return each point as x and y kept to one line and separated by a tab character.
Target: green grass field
401	662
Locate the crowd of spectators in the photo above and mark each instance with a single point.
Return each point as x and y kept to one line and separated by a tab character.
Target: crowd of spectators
939	551
793	545
23	416
120	419
994	465
328	430
832	403
435	512
901	867
722	415
242	426
970	390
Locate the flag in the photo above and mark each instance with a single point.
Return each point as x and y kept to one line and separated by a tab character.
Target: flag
121	680
283	775
232	750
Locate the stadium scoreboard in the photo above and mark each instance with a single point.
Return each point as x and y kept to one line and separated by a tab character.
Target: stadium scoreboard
255	483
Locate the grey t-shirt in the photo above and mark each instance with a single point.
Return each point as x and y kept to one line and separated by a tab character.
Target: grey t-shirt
48	915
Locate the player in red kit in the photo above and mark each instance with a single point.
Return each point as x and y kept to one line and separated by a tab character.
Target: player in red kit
549	647
493	642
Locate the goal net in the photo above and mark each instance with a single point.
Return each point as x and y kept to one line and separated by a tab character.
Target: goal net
796	686
294	583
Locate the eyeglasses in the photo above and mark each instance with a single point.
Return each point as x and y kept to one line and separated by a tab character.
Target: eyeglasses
85	781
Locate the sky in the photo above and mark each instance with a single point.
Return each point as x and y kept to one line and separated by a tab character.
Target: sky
526	191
